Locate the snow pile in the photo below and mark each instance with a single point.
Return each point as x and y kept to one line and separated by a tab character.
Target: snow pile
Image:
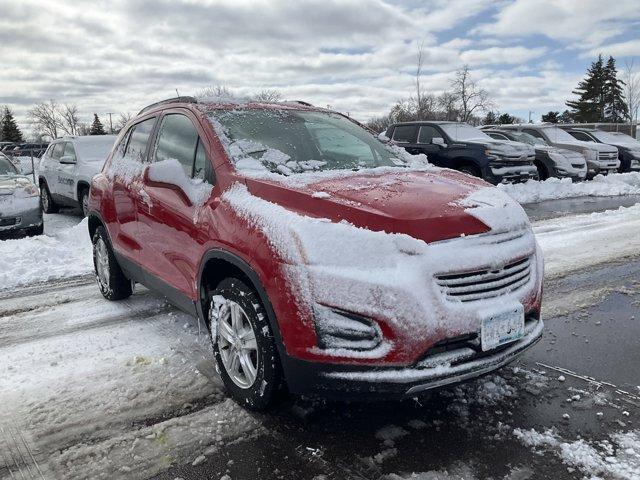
171	171
495	209
376	273
579	241
554	188
618	457
38	259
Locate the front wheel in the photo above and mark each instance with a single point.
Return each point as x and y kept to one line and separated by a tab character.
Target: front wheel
243	345
84	202
111	280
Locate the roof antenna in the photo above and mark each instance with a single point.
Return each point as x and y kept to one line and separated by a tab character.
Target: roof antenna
177	93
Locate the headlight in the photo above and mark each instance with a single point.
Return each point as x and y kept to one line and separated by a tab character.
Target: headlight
492	153
589	154
30	191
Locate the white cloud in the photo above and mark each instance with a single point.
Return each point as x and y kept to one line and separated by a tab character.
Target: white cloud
622	49
501	55
586	22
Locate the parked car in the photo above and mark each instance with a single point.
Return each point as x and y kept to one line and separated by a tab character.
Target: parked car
550	161
465	148
600	158
628	147
317	256
66	168
20	211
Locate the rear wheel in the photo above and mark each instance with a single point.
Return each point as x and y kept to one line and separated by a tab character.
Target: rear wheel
243	345
48	205
111	280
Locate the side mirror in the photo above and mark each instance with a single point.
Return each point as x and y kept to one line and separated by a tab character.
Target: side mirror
438	141
67	160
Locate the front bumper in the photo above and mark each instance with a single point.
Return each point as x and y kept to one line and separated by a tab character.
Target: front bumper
434	371
18	216
511	174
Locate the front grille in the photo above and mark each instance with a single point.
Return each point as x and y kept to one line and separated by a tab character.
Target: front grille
8	222
488	283
607	156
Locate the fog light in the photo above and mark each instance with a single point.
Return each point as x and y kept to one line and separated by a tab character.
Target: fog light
339	329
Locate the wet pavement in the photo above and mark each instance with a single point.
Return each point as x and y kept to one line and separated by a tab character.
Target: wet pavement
582	380
572	206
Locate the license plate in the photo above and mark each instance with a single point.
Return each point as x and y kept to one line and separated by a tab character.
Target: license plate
502	327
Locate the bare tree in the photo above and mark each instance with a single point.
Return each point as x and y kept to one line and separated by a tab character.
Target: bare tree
470	96
419	60
123	119
216	91
631	79
69	120
447	102
46	119
267	96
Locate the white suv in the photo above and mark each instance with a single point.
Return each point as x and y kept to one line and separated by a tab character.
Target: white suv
67	167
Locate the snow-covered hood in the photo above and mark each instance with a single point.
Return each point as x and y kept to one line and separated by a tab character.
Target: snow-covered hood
579	145
501	147
13	184
519	147
429	206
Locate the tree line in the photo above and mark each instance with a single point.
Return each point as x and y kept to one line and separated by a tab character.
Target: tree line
604	96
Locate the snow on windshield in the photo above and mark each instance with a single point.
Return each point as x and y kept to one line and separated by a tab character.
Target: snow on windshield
6	167
462	132
287	142
613	137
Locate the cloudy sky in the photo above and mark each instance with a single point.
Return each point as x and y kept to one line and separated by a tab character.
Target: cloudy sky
356	55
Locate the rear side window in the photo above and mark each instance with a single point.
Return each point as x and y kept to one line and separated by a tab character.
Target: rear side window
139	138
428	133
177	139
497	136
405	133
534	133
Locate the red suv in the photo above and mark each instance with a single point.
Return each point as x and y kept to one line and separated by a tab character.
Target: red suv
321	259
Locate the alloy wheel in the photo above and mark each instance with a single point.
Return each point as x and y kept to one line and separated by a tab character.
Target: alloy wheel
102	263
237	345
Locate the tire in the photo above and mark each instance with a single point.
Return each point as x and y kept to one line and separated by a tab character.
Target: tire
543	174
111	280
250	370
48	205
84	201
35	231
470	170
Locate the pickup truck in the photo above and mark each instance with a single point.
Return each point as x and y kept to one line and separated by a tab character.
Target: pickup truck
465	148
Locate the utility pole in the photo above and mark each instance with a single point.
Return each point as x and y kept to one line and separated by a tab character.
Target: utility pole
110	122
530	112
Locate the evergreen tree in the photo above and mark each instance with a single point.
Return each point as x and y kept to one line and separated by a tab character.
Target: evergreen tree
490	119
551	117
506	119
96	126
616	109
566	117
590	105
10	130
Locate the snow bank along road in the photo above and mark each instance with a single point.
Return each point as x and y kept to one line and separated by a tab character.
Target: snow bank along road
93	389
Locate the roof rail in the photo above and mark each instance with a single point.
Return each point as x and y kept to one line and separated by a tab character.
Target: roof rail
297	102
185	99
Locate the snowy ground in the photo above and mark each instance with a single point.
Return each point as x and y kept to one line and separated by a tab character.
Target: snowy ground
96	389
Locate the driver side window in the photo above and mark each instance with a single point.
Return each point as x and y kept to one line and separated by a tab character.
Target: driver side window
69	151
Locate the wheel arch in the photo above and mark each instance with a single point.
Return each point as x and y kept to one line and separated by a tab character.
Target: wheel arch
469	162
218	264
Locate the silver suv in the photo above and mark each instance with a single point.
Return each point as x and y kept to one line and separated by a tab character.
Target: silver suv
67	167
600	158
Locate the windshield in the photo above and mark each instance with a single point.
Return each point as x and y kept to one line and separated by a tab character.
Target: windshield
609	137
556	134
94	149
462	132
6	167
526	138
293	141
